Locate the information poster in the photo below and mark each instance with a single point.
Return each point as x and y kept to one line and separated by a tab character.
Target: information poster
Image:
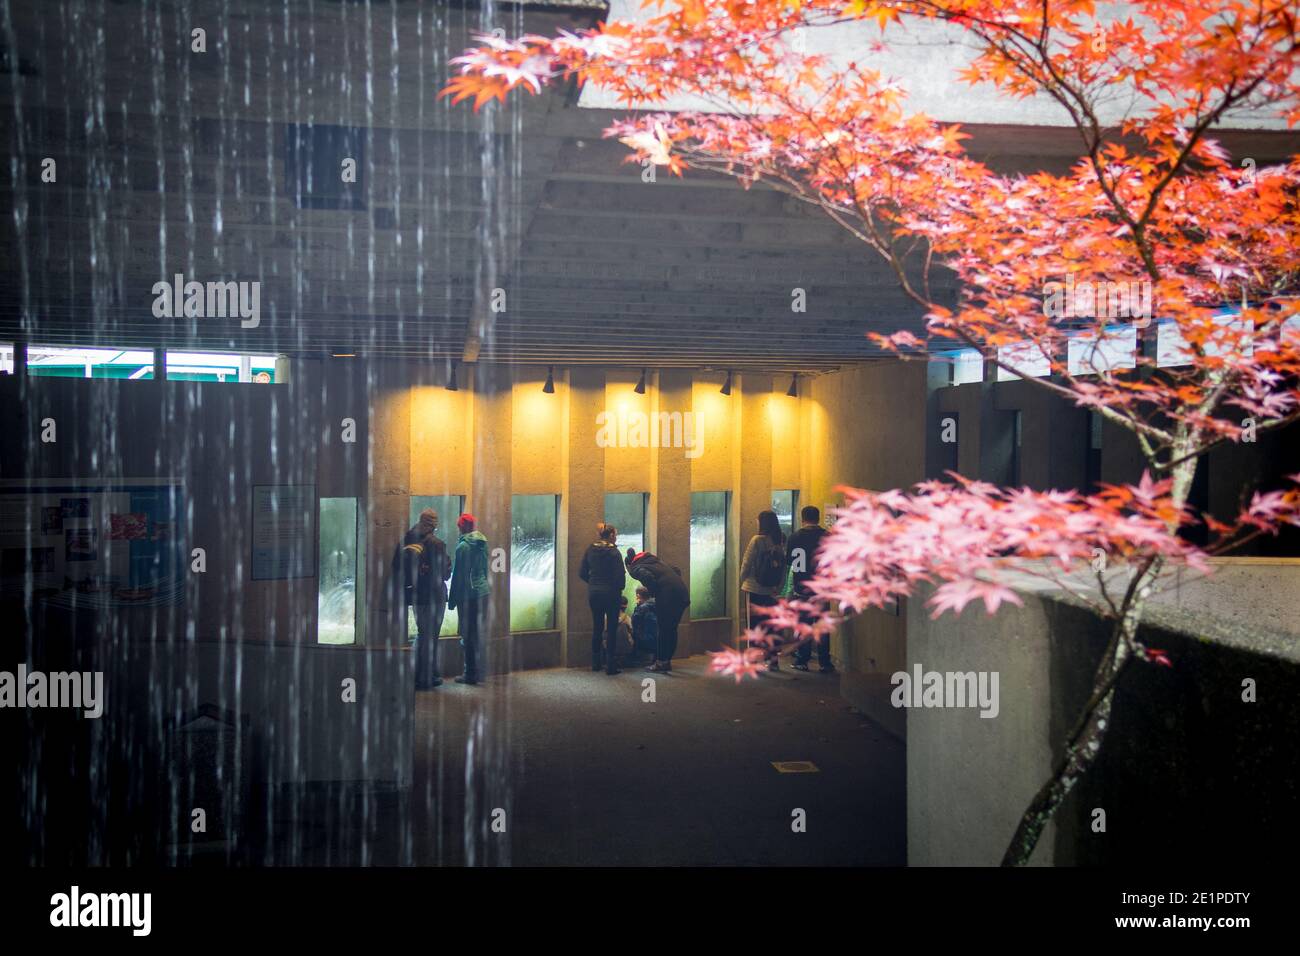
92	543
283	543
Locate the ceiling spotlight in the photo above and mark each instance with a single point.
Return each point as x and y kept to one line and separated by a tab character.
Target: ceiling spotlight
451	383
549	387
726	386
793	390
640	385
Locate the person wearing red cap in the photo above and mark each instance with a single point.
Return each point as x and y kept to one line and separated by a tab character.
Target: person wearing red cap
468	592
672	598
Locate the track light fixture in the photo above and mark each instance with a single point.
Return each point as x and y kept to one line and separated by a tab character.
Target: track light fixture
451	382
726	386
640	385
549	387
793	390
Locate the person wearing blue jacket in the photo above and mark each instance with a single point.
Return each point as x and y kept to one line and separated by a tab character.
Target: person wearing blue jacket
645	626
468	593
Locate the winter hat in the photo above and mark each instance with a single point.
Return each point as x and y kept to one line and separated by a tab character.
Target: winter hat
465	523
429	515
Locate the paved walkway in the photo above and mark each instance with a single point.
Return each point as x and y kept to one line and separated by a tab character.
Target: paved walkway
589	774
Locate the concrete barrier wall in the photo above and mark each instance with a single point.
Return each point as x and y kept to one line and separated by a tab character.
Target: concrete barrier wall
1190	772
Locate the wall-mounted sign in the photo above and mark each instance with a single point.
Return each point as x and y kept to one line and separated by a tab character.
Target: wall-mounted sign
283	543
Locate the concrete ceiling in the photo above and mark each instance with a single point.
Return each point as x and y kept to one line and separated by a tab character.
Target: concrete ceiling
181	168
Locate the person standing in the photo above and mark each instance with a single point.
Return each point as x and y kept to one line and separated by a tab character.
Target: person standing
602	569
426	567
762	574
672	598
802	556
469	593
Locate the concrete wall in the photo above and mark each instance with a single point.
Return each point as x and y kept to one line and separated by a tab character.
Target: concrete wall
1190	773
866	428
926	58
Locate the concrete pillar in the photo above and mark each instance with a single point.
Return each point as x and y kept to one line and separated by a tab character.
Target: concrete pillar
751	475
489	497
668	518
388	444
582	507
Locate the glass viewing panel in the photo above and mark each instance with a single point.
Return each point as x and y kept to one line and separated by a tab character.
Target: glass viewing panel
708	554
626	512
336	581
56	361
532	562
786	506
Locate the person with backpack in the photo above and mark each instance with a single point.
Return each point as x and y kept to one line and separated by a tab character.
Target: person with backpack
602	569
671	596
762	574
469	593
425	568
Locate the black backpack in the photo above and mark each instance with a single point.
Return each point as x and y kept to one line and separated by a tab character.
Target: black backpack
771	567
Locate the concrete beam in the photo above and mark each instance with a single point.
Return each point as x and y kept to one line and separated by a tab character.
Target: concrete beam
668	518
490	484
582	507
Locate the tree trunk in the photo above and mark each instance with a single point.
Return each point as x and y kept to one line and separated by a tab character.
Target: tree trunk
1084	743
1080	752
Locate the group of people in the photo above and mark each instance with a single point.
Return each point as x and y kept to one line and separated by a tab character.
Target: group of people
434	581
661	599
771	568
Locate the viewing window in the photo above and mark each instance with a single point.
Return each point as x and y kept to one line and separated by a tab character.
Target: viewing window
449	508
219	367
965	365
58	361
1027	357
532	562
1089	355
786	506
626	512
336	581
1172	349
708	554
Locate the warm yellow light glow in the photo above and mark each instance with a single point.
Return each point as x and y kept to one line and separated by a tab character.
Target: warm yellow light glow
536	409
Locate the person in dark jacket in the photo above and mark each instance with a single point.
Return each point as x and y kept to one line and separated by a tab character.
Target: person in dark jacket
602	569
672	598
469	592
426	567
801	554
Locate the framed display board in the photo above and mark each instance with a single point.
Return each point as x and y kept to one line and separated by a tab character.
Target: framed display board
284	543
